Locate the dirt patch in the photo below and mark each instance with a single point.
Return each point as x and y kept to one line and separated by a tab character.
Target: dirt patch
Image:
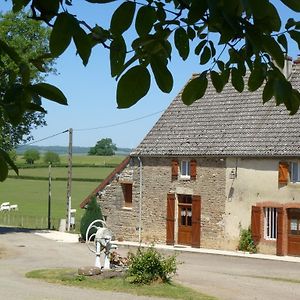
3	252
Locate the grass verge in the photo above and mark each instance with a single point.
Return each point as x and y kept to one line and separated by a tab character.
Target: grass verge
70	277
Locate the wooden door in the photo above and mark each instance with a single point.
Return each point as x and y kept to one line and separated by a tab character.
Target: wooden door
196	221
294	231
185	219
170	219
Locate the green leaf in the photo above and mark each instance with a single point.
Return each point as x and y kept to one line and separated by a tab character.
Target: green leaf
205	56
290	23
295	35
294	102
272	47
122	18
50	92
256	79
3	169
292	4
237	80
199	47
163	76
195	89
145	19
283	42
19	4
117	55
191	33
181	40
8	160
61	34
268	91
82	43
35	107
217	81
282	91
196	11
132	86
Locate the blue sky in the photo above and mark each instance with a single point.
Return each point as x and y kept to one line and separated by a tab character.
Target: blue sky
91	93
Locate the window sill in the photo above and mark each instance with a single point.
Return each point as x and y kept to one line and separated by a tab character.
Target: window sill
126	208
185	178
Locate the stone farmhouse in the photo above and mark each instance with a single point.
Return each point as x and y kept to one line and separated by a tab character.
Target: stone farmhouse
208	170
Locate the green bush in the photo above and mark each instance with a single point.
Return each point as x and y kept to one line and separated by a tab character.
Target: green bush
93	212
51	157
246	242
31	155
149	265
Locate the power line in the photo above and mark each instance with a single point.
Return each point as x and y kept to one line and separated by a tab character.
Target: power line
43	139
120	123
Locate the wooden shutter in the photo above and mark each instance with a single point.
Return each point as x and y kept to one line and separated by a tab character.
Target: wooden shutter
196	221
283	172
279	241
193	168
174	169
170	219
256	215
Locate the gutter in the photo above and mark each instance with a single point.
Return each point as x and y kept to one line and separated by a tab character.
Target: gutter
140	198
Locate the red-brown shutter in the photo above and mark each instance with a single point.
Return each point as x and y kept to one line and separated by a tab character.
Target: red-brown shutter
196	221
174	169
256	215
193	168
279	242
283	172
170	219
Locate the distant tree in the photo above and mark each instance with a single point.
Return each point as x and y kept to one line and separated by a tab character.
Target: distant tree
103	147
51	157
30	40
92	213
31	155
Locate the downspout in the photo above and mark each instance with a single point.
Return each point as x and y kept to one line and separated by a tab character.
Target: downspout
140	200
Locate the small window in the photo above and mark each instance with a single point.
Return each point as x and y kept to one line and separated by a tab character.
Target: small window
270	223
185	169
295	172
127	193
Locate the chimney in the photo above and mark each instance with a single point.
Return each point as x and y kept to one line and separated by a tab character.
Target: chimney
287	69
297	60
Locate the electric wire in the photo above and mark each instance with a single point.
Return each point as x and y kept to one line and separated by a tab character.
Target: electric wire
93	128
43	139
120	123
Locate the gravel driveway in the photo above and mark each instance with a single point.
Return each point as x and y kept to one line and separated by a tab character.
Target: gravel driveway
228	278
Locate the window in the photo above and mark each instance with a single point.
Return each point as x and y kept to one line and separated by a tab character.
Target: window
185	169
270	223
295	172
127	193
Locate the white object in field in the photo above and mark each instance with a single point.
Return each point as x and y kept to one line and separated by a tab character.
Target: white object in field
14	207
98	238
5	206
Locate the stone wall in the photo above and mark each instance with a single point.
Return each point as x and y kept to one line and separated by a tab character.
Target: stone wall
157	183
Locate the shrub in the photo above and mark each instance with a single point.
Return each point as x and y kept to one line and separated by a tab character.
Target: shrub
246	242
51	157
31	155
149	265
92	213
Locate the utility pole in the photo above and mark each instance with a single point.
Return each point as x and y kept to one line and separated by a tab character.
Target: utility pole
49	197
69	182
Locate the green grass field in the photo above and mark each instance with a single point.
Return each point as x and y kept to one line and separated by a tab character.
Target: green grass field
31	196
78	172
80	159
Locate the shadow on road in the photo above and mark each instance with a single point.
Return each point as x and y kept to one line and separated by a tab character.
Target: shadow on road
5	230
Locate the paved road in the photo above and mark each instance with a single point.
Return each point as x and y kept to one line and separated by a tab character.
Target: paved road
228	278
